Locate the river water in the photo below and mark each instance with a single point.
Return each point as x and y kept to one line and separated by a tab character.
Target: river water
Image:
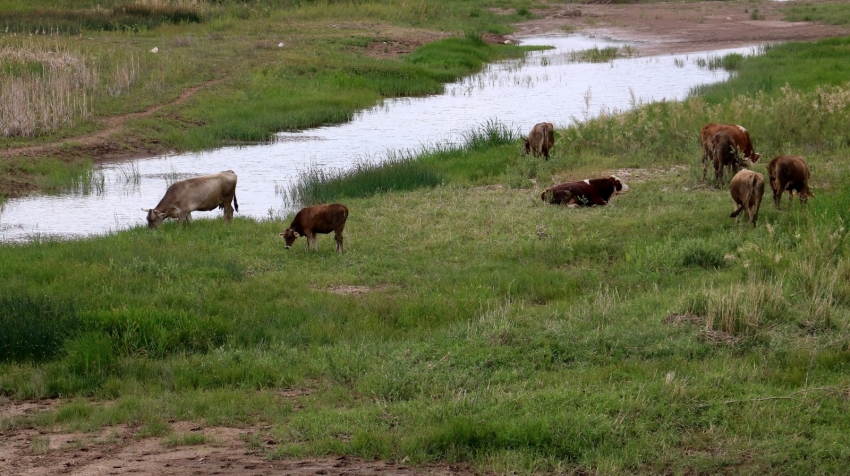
545	86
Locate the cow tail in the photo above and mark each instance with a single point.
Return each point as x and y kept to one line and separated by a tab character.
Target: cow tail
235	203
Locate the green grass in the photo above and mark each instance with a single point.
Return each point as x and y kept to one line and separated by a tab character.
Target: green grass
828	13
653	335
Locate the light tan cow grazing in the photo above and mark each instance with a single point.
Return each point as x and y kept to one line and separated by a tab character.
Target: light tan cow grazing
789	173
540	140
203	193
747	190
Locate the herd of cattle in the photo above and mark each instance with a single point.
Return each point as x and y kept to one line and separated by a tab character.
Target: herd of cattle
723	145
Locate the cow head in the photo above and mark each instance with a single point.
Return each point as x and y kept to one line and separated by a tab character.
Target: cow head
755	157
526	146
154	217
289	235
620	187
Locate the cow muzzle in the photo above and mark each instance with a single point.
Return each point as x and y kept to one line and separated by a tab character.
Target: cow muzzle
286	247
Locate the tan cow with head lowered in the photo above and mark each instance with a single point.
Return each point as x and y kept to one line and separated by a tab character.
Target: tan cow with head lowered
204	193
747	189
540	140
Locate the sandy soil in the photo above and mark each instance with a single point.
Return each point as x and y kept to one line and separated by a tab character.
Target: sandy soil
662	28
658	28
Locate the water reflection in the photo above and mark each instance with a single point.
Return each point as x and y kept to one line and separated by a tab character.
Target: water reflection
547	85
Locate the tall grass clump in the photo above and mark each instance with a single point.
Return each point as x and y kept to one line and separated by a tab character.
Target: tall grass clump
398	172
45	86
492	133
34	328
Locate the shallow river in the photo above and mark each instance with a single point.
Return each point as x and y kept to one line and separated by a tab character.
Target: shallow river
545	86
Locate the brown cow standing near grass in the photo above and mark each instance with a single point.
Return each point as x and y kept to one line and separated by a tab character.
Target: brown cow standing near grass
318	219
203	193
740	138
724	154
791	173
747	190
540	140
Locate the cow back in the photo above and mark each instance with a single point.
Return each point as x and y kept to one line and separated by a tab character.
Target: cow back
203	193
740	138
320	218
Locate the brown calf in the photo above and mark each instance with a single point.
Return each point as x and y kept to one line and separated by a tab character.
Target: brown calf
318	219
585	193
540	140
724	154
740	137
791	173
747	189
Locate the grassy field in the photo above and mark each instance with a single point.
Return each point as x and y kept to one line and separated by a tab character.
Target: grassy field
468	321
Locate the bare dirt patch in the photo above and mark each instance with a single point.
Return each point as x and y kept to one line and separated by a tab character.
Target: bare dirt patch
356	290
226	451
662	28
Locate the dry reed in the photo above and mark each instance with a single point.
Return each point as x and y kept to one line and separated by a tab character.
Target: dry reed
47	86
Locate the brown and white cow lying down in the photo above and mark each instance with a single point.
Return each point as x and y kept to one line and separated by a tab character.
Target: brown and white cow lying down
791	173
317	219
203	193
725	155
747	189
585	193
740	137
539	140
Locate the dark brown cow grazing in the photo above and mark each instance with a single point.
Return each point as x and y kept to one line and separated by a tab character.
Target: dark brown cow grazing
540	140
791	173
317	219
203	193
747	189
585	193
740	137
725	155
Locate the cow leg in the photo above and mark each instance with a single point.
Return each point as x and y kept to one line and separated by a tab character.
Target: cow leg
182	216
338	237
189	217
777	196
228	213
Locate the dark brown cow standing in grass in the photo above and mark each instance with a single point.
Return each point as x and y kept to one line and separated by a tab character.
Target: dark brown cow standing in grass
585	193
747	189
725	155
540	140
789	173
740	138
203	193
317	219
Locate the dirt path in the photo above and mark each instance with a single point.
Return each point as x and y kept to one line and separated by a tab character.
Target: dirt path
663	28
99	139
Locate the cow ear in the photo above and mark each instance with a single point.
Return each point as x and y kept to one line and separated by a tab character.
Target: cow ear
280	234
296	234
